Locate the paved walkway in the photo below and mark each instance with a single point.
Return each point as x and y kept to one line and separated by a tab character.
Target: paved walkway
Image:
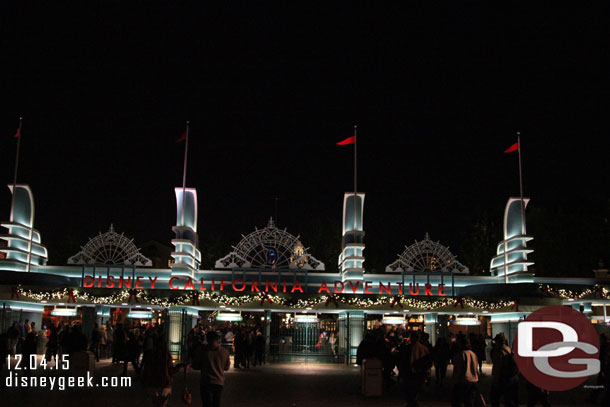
280	384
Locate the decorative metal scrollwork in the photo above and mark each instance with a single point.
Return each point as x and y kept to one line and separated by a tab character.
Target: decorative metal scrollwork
270	247
426	256
110	248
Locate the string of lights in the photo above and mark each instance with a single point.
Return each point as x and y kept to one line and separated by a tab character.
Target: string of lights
191	298
596	290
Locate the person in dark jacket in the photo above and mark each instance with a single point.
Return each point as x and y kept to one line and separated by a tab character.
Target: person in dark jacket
30	344
477	342
52	343
367	349
504	376
13	337
259	349
417	362
132	354
4	352
441	354
96	339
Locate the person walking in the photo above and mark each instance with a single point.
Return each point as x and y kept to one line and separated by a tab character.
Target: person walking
13	334
239	343
109	339
416	361
259	349
505	375
131	353
214	361
96	339
30	344
22	333
158	371
332	341
52	344
249	349
441	353
477	343
466	377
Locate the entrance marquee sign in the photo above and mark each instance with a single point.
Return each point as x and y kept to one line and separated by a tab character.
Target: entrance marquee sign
240	285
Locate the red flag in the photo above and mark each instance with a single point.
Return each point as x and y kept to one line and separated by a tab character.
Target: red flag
349	140
182	138
512	148
16	135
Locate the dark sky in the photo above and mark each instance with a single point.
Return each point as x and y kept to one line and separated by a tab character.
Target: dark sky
437	93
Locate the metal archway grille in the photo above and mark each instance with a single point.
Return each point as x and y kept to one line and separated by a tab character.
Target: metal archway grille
427	256
110	248
270	247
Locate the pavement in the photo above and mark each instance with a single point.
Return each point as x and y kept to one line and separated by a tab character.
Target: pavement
295	384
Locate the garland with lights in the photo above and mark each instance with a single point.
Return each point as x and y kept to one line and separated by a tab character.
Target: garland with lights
332	301
596	290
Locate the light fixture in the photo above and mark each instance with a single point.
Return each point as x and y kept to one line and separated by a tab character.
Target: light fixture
306	318
64	312
393	320
139	314
467	321
229	316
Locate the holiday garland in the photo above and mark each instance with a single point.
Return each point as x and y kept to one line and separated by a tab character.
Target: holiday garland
596	290
193	298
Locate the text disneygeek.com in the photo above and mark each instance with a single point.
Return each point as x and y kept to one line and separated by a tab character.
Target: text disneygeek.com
28	373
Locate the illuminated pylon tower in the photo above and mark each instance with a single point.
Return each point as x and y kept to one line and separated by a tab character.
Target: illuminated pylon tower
24	248
351	259
186	255
511	260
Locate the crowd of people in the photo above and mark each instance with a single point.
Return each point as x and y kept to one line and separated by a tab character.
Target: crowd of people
409	353
412	355
246	344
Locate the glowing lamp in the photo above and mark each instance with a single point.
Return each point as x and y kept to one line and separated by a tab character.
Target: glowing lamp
64	312
467	321
228	316
306	318
393	320
140	314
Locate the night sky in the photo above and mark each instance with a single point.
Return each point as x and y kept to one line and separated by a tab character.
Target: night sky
437	93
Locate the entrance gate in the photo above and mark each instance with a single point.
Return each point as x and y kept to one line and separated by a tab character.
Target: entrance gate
292	341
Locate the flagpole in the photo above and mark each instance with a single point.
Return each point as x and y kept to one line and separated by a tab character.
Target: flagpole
355	177
16	165
521	184
186	149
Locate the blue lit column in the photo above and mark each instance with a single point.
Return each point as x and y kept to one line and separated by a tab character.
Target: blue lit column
351	259
511	262
186	255
24	248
